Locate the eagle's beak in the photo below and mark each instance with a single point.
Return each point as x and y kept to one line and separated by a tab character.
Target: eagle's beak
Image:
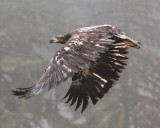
53	40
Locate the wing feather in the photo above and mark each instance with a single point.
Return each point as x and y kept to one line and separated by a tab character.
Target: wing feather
96	80
75	55
80	98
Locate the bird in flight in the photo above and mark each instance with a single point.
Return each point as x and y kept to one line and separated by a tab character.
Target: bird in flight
92	56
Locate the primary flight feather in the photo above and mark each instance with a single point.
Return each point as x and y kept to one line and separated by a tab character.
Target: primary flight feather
92	56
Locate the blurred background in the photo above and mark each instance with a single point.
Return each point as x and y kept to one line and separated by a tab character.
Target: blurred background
25	29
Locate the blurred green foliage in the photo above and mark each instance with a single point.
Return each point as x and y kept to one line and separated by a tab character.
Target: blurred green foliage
25	29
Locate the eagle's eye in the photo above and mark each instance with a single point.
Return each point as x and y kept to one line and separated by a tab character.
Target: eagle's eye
54	40
62	39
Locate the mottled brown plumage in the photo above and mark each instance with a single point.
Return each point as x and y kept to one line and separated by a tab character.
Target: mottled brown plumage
92	56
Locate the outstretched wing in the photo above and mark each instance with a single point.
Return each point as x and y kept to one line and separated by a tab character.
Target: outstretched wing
93	82
79	52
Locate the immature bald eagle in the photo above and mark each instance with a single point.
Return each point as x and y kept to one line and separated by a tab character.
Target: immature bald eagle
92	56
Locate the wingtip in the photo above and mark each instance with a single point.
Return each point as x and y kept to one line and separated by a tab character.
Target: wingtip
23	92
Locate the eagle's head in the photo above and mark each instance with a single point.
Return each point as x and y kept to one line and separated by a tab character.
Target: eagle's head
60	39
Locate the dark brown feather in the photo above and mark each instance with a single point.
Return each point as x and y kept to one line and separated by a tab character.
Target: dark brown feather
90	85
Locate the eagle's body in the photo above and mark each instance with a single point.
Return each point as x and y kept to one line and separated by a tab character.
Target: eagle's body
92	56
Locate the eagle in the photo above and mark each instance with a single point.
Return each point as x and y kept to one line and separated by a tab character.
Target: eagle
93	56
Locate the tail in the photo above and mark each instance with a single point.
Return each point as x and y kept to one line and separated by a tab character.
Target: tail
132	44
126	39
